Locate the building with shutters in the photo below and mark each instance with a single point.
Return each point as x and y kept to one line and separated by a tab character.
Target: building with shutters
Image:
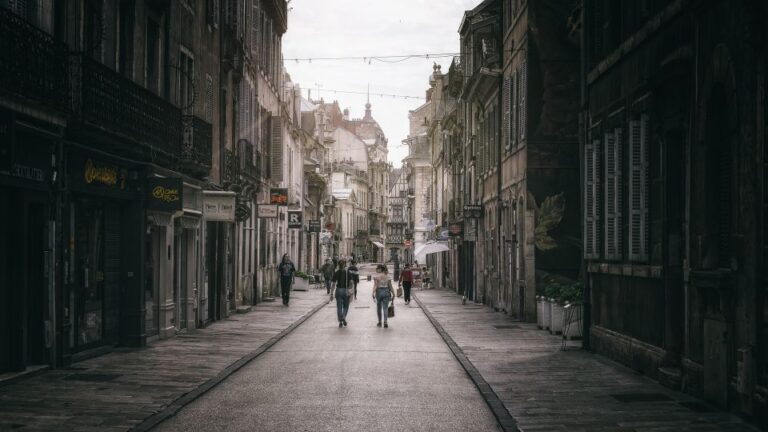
674	194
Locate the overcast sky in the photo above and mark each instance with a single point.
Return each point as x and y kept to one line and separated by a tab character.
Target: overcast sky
365	28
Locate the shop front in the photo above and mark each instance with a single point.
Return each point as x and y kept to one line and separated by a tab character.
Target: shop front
219	256
27	246
103	274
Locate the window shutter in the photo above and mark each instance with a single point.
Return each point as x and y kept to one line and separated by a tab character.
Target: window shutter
523	101
514	94
277	148
209	99
255	20
613	197
592	198
638	189
507	130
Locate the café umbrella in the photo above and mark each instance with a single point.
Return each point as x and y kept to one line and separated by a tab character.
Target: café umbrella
430	248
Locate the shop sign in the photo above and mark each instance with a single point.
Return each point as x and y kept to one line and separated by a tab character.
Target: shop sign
165	194
278	196
219	206
294	219
455	229
314	226
267	211
407	244
242	212
100	173
473	211
330	226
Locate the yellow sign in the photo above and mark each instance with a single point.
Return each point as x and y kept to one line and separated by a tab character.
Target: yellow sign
100	174
166	194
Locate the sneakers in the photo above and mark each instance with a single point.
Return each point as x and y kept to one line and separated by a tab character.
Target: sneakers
378	324
385	325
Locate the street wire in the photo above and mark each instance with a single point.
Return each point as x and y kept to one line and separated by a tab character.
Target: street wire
381	58
397	96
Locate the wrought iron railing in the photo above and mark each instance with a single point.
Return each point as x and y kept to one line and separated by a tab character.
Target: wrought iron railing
105	100
33	66
196	145
230	165
374	231
362	233
396	220
394	238
249	166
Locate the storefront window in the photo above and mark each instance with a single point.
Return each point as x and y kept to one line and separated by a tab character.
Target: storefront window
151	315
89	249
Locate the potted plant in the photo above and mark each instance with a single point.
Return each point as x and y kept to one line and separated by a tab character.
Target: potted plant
556	308
540	311
550	292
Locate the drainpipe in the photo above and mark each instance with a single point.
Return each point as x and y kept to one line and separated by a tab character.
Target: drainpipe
583	119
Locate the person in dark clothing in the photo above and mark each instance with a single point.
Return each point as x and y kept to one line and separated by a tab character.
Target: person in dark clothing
342	280
327	271
406	280
354	277
286	270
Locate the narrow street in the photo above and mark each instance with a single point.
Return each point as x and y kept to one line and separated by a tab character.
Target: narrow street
361	377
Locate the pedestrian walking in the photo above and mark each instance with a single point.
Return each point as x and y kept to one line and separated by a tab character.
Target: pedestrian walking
406	280
327	271
287	271
341	279
354	277
382	293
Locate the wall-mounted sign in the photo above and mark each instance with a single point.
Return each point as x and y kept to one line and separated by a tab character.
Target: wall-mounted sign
473	211
164	194
242	212
455	229
407	244
294	219
278	196
219	206
314	226
267	211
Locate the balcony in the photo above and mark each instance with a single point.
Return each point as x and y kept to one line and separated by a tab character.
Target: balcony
196	147
230	167
362	233
105	101
397	220
395	239
374	232
33	67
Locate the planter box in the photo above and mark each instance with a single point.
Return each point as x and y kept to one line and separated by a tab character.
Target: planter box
540	312
573	330
556	315
545	314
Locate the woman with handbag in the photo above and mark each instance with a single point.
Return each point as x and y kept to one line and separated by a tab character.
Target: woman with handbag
382	293
341	278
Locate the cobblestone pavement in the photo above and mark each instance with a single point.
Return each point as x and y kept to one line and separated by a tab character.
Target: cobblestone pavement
546	389
117	391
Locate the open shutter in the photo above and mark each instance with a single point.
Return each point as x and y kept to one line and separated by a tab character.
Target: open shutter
638	189
592	198
523	100
507	102
513	95
277	148
613	202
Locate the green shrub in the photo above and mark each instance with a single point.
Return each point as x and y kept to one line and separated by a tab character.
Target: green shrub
552	290
301	274
571	293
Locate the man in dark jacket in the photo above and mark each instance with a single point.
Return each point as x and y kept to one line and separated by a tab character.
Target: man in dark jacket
286	270
327	271
354	278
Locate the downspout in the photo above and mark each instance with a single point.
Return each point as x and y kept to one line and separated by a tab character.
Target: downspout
583	119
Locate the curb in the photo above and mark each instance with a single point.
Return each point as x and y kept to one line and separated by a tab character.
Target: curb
505	419
187	398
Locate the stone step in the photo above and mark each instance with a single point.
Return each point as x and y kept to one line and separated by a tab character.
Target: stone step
243	309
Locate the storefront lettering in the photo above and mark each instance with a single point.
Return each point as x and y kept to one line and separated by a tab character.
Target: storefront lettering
100	174
165	194
26	172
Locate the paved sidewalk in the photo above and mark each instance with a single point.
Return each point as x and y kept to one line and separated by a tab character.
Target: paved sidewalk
546	389
117	391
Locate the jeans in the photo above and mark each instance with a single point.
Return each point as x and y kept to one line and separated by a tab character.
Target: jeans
342	303
382	302
285	289
407	290
327	285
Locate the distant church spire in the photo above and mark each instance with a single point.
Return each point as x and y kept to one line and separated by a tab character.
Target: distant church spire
368	105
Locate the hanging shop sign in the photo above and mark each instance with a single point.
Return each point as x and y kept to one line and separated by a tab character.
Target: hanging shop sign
473	211
267	211
407	244
294	219
455	229
164	194
314	226
278	196
242	212
219	206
